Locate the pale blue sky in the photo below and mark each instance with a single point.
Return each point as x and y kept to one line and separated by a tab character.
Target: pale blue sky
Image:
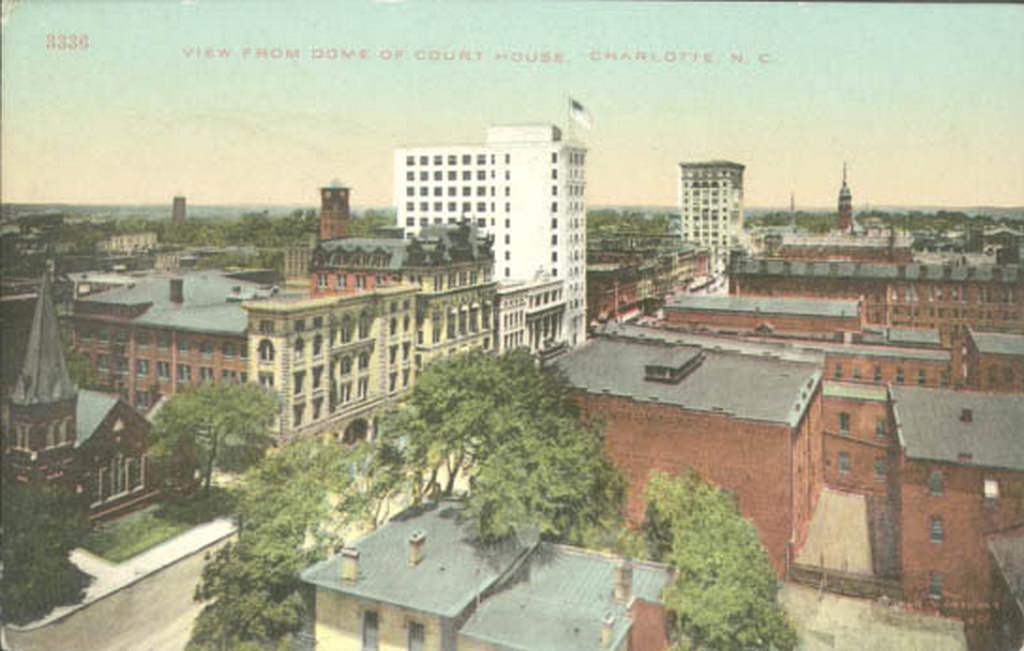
923	101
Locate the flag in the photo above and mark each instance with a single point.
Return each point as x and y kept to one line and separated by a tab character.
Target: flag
578	113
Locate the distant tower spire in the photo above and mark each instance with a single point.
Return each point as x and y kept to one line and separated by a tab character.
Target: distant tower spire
845	205
792	210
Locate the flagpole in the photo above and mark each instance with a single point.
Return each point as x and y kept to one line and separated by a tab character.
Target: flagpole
569	120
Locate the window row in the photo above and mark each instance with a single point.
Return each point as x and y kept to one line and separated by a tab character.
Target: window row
454	159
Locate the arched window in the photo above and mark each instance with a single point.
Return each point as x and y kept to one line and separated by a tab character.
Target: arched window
364	361
346	330
300	345
365	320
318	344
935	484
266	351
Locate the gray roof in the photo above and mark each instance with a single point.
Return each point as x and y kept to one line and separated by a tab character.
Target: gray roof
793	349
395	248
1008	551
93	407
876	270
930	426
44	375
744	386
559	602
454	569
211	301
229	318
927	337
998	343
765	305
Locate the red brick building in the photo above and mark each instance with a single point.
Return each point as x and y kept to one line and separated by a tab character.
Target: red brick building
948	298
858	441
165	333
834	319
750	424
994	361
961	479
90	442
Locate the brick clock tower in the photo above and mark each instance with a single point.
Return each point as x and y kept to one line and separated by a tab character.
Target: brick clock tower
40	440
845	206
334	212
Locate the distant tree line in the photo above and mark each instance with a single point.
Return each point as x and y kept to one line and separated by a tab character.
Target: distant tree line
609	222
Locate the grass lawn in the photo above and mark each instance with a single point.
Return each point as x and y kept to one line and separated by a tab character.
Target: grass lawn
120	539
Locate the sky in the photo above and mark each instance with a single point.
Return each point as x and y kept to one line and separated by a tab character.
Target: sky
922	101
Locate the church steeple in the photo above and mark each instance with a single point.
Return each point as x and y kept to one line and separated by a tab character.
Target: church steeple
44	375
845	205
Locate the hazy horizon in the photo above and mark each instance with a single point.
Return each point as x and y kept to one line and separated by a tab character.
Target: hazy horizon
922	101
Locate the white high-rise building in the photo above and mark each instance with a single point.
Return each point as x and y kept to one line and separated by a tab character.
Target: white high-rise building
525	186
711	206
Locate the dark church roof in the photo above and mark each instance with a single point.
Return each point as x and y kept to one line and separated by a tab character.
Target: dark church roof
44	375
91	410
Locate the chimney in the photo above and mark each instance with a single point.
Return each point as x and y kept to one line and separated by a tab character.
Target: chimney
607	630
349	564
624	581
417	541
966	415
177	290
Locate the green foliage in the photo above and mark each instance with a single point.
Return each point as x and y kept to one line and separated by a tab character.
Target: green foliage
608	222
225	425
292	511
41	525
725	593
132	534
510	428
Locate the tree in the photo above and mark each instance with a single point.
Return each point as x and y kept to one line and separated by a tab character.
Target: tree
511	430
725	593
41	525
293	509
224	426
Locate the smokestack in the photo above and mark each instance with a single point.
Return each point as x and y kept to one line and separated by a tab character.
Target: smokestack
607	629
177	290
178	210
349	564
417	542
624	581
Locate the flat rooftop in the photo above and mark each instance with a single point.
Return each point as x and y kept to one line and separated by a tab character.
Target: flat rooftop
982	429
799	307
796	349
743	386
